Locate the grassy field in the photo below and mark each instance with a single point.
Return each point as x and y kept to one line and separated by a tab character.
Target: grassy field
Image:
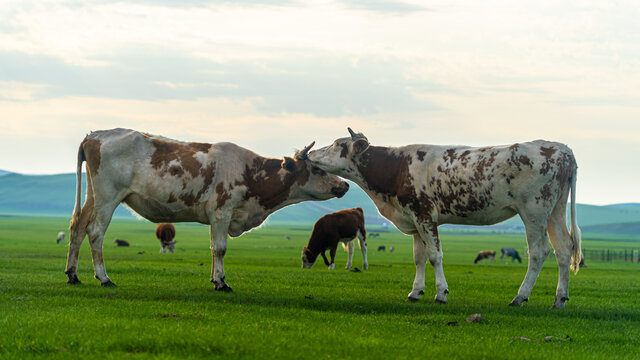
164	306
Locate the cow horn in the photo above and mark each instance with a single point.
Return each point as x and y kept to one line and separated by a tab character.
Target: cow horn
302	154
357	136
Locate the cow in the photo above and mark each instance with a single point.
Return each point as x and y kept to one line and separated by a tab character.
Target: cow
486	254
419	187
511	252
382	248
60	238
338	227
223	185
165	232
120	242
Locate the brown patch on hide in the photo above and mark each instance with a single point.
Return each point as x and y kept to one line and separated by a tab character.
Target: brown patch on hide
223	195
91	150
421	155
171	199
344	151
460	194
548	163
168	151
264	183
176	171
450	156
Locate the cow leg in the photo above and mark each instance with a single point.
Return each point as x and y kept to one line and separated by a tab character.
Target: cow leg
78	230
363	247
563	247
350	247
96	231
538	250
332	253
420	259
218	234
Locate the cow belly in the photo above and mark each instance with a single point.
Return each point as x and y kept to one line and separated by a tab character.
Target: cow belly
488	216
159	211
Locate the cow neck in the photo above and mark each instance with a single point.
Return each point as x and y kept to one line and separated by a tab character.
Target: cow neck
386	173
263	182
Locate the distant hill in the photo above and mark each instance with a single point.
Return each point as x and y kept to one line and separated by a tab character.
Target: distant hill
2	173
55	195
630	228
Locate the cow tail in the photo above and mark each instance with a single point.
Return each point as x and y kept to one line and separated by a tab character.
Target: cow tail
76	208
574	232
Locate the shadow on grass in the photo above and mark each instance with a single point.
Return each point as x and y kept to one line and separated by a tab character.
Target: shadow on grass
305	301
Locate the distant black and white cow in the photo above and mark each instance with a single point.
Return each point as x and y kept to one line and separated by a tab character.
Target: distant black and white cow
222	185
486	254
419	187
61	236
338	227
510	252
165	232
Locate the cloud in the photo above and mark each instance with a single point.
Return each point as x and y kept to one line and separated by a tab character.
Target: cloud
384	6
317	83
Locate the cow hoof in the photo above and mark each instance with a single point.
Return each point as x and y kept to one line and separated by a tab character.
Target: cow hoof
73	280
438	301
559	304
223	288
421	292
412	299
517	301
108	283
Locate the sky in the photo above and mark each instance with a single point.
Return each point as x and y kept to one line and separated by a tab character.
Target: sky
273	76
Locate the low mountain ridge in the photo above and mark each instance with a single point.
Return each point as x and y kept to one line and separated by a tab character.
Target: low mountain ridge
55	195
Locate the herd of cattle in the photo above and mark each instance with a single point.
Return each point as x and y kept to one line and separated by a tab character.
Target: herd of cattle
416	187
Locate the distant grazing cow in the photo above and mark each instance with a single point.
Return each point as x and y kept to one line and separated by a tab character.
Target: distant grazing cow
121	242
60	238
341	226
511	252
486	254
382	248
165	232
419	187
223	185
391	249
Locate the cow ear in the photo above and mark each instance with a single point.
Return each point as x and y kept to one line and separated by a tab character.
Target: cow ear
288	164
359	146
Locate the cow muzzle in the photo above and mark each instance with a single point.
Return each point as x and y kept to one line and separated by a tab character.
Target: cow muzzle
339	191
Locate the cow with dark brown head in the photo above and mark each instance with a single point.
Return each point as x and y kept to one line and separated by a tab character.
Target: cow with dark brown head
419	187
339	227
165	232
223	185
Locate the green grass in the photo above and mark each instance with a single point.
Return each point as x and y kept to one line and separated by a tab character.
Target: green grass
164	306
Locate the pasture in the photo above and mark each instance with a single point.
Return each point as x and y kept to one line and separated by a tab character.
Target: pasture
164	306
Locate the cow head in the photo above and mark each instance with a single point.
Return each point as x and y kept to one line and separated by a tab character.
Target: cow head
168	247
308	258
313	182
341	157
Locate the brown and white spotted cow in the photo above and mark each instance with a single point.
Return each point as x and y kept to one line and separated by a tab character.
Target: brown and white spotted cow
419	187
485	254
223	185
331	229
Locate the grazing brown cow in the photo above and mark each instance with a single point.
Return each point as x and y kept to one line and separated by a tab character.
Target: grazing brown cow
341	226
165	232
223	185
420	187
486	254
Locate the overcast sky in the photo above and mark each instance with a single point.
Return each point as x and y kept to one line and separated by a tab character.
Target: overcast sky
275	75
